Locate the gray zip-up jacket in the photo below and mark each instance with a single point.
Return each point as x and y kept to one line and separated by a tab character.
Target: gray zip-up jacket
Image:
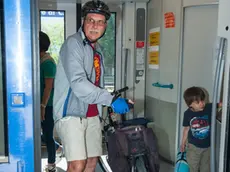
73	87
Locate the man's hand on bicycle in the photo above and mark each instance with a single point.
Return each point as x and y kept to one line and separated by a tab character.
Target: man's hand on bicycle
121	105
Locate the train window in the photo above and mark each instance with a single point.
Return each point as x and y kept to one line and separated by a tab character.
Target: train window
108	44
53	24
3	112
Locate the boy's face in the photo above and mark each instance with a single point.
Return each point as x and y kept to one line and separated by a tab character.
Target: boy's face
197	106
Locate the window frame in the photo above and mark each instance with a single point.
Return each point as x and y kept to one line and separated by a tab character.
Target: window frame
4	158
40	22
115	53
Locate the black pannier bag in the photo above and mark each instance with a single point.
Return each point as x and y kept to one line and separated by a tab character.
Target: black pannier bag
132	141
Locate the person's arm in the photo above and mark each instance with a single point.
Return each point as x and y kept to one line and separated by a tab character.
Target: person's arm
186	128
47	90
184	138
72	59
219	106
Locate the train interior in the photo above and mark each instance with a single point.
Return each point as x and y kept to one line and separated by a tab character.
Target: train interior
157	48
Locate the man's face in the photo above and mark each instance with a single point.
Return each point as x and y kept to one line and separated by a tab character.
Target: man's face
94	26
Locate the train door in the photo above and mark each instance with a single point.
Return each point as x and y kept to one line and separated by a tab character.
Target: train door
60	19
199	51
202	63
216	70
224	34
19	115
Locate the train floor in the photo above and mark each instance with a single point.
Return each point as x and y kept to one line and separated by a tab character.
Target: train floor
62	165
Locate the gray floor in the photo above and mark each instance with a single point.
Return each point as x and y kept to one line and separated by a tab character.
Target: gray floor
62	165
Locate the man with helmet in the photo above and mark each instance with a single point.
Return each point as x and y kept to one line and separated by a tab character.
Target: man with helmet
79	93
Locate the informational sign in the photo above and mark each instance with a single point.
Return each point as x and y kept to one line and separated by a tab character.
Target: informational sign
153	49
140	60
154	57
140	63
154	37
169	20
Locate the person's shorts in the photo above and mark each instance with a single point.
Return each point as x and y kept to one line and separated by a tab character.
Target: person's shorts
81	137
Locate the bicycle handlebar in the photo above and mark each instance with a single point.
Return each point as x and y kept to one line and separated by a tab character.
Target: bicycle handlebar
117	92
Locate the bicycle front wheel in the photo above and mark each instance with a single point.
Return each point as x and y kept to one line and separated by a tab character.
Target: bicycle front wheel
140	165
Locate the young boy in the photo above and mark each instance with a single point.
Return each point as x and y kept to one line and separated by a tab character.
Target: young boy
196	123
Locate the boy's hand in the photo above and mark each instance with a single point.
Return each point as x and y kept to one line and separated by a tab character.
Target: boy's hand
219	108
182	147
220	104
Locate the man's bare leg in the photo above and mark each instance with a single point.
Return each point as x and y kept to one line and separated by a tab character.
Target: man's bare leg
76	166
91	164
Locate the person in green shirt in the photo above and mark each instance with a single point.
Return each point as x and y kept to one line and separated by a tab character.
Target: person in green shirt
47	74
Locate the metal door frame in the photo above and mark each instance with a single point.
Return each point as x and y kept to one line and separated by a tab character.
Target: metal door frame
36	87
22	83
180	72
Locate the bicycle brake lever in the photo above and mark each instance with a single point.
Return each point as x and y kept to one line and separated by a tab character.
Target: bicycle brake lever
116	96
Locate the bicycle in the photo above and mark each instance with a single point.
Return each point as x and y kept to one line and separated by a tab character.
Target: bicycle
137	161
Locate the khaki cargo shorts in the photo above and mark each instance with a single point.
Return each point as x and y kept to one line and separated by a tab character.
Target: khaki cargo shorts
81	137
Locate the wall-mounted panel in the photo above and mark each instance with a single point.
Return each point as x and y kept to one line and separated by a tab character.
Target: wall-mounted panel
169	49
153	21
140	54
160	102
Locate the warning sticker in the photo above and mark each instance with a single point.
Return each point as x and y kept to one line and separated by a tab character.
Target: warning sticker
169	20
140	44
154	58
154	38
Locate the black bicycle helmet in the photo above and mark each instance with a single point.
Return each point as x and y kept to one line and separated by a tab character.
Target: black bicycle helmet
98	7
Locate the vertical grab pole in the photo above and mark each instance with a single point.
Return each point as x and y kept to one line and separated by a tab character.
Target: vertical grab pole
220	80
123	117
126	66
214	102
